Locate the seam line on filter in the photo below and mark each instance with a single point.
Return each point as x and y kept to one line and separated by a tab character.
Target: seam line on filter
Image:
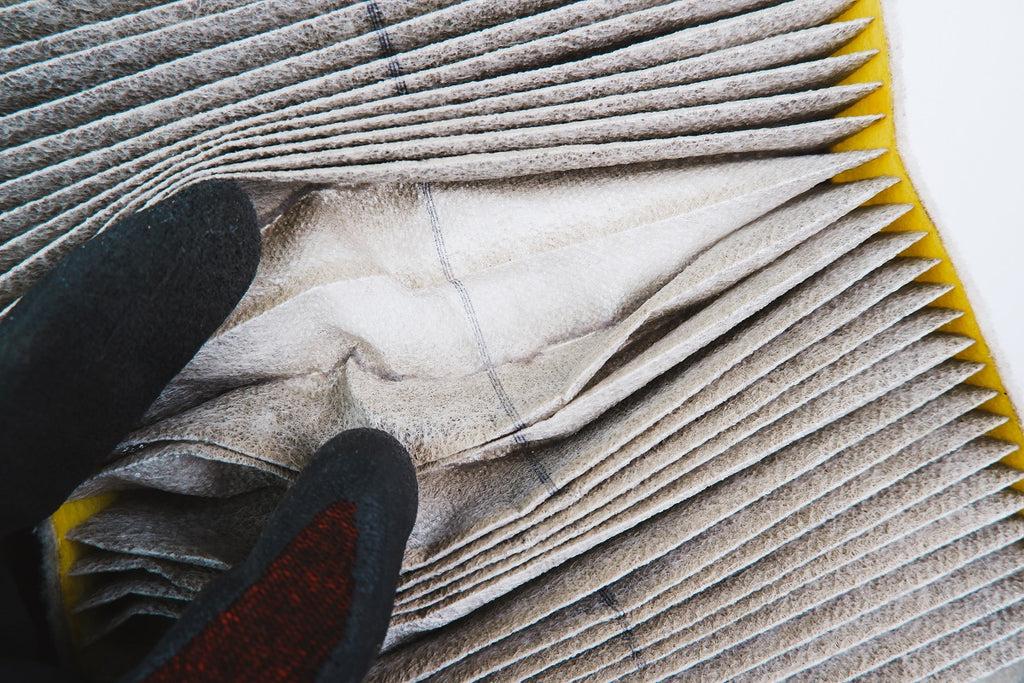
481	344
396	73
394	68
625	628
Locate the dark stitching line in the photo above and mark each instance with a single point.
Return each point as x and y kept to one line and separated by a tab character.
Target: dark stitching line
639	662
467	304
478	335
535	465
394	68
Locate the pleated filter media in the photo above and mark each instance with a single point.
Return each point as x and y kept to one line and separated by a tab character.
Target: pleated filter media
690	385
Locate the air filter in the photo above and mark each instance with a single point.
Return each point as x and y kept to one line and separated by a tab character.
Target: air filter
690	384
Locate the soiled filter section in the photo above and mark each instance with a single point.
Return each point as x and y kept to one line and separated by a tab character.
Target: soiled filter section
74	163
677	404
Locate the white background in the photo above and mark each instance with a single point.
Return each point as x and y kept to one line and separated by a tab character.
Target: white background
959	75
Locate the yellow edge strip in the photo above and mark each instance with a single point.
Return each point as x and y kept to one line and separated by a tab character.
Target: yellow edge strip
64	520
882	135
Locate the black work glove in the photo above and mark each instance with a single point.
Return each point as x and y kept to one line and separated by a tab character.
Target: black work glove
84	354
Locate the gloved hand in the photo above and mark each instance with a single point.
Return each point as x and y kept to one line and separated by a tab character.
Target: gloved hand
84	354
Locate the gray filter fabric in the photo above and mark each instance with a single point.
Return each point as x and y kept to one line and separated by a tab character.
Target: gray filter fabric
678	407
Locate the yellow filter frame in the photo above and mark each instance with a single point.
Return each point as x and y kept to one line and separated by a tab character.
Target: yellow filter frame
882	135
